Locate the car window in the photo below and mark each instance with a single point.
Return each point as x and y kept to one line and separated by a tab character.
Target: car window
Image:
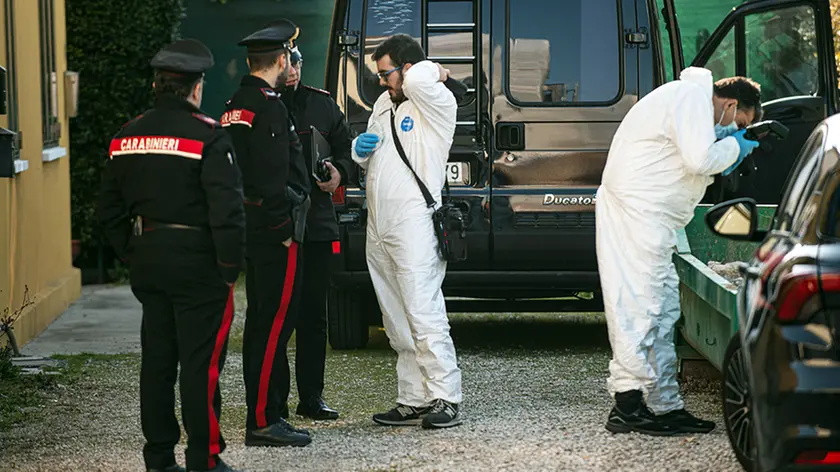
782	52
800	183
564	53
831	222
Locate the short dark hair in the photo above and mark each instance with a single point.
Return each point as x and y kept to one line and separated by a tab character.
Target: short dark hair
180	85
402	49
265	60
743	89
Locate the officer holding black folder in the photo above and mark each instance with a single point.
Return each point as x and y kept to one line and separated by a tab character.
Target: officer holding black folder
315	111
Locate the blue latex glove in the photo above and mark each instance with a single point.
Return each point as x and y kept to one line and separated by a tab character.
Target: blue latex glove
365	144
747	147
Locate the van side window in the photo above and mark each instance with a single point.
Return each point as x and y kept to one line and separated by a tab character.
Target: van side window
564	53
384	18
782	52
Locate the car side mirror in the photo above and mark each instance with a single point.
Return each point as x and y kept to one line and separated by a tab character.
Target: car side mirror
734	219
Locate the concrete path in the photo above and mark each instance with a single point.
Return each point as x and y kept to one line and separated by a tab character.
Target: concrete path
104	320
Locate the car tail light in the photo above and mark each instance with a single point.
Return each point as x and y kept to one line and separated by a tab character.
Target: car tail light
798	295
818	458
338	196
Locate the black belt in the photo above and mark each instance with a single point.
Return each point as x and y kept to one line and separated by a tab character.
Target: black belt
142	225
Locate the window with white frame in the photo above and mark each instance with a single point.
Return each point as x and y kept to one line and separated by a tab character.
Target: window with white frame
49	76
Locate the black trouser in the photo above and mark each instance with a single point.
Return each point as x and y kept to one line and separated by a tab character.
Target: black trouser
187	312
311	337
270	319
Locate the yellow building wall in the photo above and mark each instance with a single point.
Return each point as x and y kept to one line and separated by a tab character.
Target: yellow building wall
35	237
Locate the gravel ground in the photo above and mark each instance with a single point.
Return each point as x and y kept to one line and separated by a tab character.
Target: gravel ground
535	399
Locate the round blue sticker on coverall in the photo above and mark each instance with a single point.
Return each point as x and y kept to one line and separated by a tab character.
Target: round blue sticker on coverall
407	124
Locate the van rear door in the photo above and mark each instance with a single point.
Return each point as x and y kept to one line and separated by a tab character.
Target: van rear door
787	47
564	74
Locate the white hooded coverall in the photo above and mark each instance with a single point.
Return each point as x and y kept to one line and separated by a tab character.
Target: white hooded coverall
660	162
402	249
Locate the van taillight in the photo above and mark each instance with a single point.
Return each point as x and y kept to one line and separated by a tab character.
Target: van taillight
818	458
798	295
338	196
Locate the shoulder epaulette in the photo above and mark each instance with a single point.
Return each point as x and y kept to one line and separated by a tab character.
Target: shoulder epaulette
270	94
316	89
206	119
132	120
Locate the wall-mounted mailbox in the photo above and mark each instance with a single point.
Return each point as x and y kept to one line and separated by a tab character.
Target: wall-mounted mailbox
7	161
71	93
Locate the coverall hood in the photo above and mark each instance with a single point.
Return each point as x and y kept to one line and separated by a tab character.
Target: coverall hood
700	76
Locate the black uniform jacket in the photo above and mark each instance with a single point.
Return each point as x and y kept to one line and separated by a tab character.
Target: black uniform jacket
174	165
315	107
269	153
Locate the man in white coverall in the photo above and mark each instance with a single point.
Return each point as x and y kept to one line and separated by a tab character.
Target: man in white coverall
661	160
402	249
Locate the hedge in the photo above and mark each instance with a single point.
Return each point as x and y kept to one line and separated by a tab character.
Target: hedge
110	44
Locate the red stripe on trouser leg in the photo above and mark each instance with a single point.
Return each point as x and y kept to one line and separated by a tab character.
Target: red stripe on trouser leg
336	247
274	335
213	380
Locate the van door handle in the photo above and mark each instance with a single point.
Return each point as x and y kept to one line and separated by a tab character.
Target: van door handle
510	136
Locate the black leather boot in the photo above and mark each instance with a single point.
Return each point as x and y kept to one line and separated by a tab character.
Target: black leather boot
316	409
277	435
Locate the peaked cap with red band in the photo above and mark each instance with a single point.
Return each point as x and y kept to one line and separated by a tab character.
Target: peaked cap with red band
280	34
184	57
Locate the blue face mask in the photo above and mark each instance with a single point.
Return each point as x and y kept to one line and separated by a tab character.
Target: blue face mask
725	131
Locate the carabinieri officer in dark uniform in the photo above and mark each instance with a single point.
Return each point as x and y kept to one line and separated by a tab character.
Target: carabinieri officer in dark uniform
172	207
311	106
276	197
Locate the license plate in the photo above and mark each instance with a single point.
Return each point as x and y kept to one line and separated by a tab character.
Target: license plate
458	173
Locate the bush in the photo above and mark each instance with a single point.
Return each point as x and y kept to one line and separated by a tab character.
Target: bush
110	44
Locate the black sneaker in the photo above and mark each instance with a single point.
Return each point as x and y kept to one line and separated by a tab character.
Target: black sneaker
686	422
402	415
442	414
277	435
630	414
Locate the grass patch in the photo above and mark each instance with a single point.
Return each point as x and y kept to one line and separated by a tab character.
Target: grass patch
21	396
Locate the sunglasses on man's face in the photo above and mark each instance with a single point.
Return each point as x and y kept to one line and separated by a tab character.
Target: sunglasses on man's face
382	75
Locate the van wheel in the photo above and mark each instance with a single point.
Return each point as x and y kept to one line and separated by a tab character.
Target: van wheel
737	405
348	327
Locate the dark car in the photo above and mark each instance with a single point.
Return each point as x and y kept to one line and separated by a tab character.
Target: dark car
549	83
782	371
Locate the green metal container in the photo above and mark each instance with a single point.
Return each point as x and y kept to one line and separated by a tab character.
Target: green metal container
708	301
